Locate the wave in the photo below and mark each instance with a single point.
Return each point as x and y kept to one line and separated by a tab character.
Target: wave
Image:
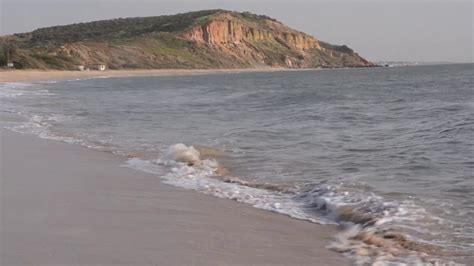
366	220
181	153
15	89
42	126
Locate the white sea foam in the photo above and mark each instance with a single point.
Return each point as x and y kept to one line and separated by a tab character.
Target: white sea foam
49	82
201	176
360	213
42	126
13	90
181	153
87	78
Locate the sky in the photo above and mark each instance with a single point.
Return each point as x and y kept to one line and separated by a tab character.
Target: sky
379	30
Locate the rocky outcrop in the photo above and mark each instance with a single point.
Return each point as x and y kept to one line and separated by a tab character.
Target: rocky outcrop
229	28
265	41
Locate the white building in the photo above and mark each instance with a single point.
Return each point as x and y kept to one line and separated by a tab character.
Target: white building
101	67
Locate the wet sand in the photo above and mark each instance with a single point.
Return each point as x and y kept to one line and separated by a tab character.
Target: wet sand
45	75
65	204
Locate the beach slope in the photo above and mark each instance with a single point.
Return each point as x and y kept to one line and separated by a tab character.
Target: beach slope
64	204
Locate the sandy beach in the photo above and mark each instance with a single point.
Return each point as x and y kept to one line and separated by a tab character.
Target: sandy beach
65	204
45	75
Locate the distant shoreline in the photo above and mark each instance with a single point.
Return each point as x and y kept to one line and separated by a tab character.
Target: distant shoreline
48	75
35	75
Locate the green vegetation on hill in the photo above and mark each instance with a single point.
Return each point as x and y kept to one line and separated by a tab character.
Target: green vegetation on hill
109	30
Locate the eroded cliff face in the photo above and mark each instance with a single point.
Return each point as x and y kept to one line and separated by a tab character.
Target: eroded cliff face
261	40
224	29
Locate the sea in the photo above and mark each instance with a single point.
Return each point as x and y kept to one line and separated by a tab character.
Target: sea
385	153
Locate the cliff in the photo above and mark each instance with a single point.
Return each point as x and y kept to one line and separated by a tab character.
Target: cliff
203	39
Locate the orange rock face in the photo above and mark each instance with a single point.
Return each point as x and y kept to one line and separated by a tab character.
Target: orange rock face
225	29
300	41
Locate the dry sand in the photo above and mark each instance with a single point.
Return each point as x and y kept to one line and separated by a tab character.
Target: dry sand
64	204
43	75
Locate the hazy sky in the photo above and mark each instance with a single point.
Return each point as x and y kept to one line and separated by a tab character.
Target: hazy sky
401	30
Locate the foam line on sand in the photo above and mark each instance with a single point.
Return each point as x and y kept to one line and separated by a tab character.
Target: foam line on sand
65	204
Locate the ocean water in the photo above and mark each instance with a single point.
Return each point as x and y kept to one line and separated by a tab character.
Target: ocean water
387	153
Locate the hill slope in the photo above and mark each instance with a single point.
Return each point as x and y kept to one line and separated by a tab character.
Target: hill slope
203	39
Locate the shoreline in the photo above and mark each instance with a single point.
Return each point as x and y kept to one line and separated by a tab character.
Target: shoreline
120	159
52	75
69	204
34	75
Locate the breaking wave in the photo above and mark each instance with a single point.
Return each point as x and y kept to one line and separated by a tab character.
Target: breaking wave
368	222
17	89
